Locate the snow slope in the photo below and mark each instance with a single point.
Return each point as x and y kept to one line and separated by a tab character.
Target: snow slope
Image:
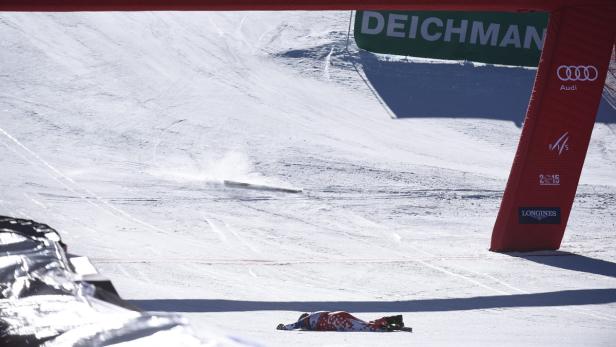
118	129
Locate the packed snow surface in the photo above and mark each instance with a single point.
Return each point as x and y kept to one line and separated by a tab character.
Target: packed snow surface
119	130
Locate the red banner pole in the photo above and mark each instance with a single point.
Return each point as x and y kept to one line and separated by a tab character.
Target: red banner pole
555	137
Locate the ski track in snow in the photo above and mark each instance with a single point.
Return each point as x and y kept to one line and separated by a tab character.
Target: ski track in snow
73	186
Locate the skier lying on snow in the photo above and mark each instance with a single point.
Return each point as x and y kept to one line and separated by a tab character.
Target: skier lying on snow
343	321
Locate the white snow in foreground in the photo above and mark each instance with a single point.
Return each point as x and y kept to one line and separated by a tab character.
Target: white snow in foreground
118	129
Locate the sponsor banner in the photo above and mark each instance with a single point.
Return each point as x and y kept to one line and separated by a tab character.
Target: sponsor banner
539	215
488	37
557	130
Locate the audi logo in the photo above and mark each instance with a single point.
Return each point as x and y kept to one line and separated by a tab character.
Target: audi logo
577	73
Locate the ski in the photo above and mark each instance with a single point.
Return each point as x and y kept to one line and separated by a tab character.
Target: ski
244	185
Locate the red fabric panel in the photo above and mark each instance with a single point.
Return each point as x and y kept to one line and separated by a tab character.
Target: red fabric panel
203	5
557	130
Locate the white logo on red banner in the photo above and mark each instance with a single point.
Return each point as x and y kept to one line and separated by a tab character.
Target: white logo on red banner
577	73
561	144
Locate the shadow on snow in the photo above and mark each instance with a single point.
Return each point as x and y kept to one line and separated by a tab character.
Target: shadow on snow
559	298
417	89
570	261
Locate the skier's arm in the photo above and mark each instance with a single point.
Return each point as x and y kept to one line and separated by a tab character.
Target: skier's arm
303	323
291	326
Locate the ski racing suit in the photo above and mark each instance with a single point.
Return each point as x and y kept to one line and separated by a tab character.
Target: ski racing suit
336	321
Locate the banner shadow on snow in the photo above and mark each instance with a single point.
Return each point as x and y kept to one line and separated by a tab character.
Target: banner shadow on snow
558	298
429	90
570	261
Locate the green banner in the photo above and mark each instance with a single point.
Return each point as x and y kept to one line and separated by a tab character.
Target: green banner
487	37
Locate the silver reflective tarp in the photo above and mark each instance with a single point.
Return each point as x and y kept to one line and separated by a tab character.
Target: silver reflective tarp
44	302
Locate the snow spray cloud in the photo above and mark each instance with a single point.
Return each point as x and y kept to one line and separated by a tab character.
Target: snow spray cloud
210	169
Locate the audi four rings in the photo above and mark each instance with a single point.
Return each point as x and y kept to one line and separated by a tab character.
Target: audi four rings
577	73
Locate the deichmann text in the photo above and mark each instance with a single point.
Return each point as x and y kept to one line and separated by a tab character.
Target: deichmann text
435	29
